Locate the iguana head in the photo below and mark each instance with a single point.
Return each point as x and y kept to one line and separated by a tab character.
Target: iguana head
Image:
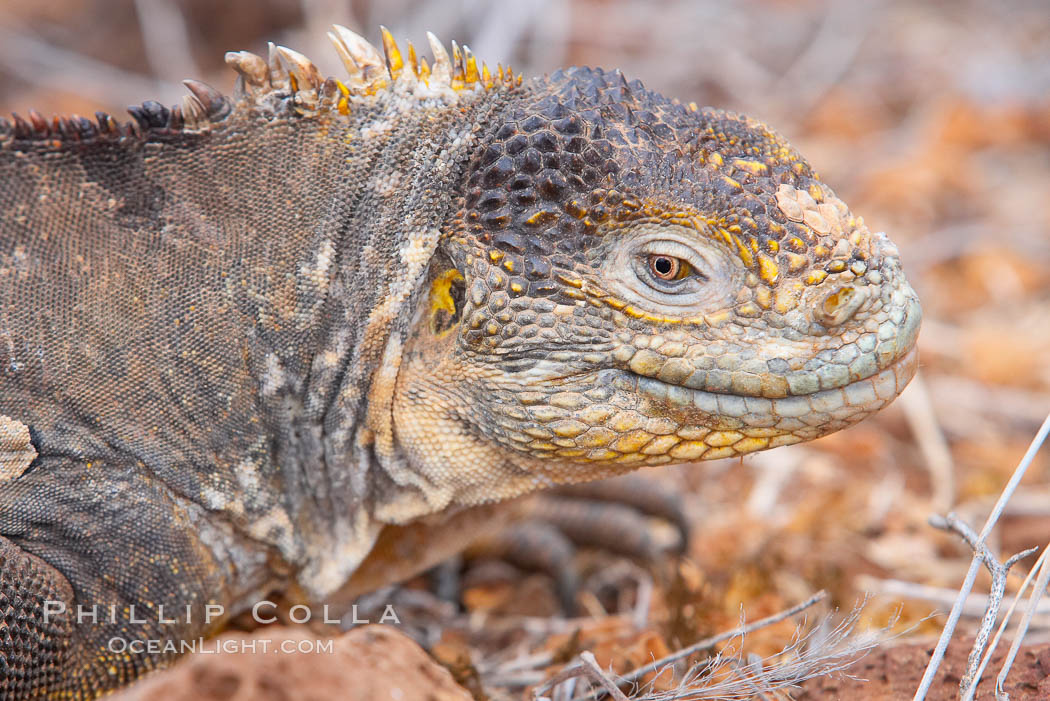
631	281
621	280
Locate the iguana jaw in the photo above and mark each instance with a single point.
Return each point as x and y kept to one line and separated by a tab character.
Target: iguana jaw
469	450
779	390
763	422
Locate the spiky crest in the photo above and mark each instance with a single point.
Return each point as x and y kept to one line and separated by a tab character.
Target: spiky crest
286	74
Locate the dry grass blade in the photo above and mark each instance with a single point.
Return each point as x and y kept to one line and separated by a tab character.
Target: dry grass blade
823	650
714	640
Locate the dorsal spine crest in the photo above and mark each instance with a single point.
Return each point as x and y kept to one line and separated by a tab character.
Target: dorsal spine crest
285	74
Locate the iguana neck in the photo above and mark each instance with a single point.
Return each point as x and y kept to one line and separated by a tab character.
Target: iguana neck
403	165
270	259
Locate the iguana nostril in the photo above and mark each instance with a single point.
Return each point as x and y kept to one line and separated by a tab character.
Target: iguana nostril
839	305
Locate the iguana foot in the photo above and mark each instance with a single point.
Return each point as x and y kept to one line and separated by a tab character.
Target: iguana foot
613	515
34	646
103	576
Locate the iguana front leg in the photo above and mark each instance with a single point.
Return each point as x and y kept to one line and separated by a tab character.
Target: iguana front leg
102	573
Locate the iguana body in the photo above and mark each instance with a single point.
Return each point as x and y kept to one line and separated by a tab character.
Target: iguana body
241	338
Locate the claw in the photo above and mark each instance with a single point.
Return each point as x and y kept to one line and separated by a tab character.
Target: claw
648	497
539	547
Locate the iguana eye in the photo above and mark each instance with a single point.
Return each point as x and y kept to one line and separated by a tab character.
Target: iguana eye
671	267
668	267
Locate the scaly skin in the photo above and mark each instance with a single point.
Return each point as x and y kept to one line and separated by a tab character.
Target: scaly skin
305	340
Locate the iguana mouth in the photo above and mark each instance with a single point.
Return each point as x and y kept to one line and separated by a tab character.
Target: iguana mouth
848	403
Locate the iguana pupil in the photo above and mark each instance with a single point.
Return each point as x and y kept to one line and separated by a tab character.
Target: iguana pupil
666	267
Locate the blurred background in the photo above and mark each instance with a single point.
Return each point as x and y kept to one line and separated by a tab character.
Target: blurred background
931	118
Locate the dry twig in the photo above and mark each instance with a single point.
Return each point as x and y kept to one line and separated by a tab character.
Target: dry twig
995	597
978	559
1022	628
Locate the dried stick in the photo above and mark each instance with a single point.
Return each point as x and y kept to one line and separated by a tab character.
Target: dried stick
918	410
587	667
975	606
1033	607
975	564
1022	628
995	596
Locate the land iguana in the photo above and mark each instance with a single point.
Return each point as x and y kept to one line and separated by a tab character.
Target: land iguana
315	331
